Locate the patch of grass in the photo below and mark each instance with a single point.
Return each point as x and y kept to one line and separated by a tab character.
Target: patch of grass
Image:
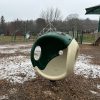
89	38
18	39
5	39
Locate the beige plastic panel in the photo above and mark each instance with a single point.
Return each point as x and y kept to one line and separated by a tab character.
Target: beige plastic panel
56	68
62	65
72	54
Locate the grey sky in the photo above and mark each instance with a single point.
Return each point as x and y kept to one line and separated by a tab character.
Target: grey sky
31	9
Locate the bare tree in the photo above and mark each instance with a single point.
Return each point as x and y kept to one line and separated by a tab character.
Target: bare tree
73	22
40	24
51	15
72	16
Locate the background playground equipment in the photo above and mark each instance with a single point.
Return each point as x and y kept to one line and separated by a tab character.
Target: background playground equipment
97	39
26	36
57	56
97	36
13	37
95	10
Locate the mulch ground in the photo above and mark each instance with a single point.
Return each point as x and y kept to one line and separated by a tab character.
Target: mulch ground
74	87
93	51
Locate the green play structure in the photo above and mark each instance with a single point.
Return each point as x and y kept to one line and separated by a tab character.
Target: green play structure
26	36
56	55
95	10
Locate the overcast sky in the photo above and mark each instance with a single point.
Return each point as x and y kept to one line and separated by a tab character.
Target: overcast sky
31	9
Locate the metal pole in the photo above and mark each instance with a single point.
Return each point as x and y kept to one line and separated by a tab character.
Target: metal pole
81	37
